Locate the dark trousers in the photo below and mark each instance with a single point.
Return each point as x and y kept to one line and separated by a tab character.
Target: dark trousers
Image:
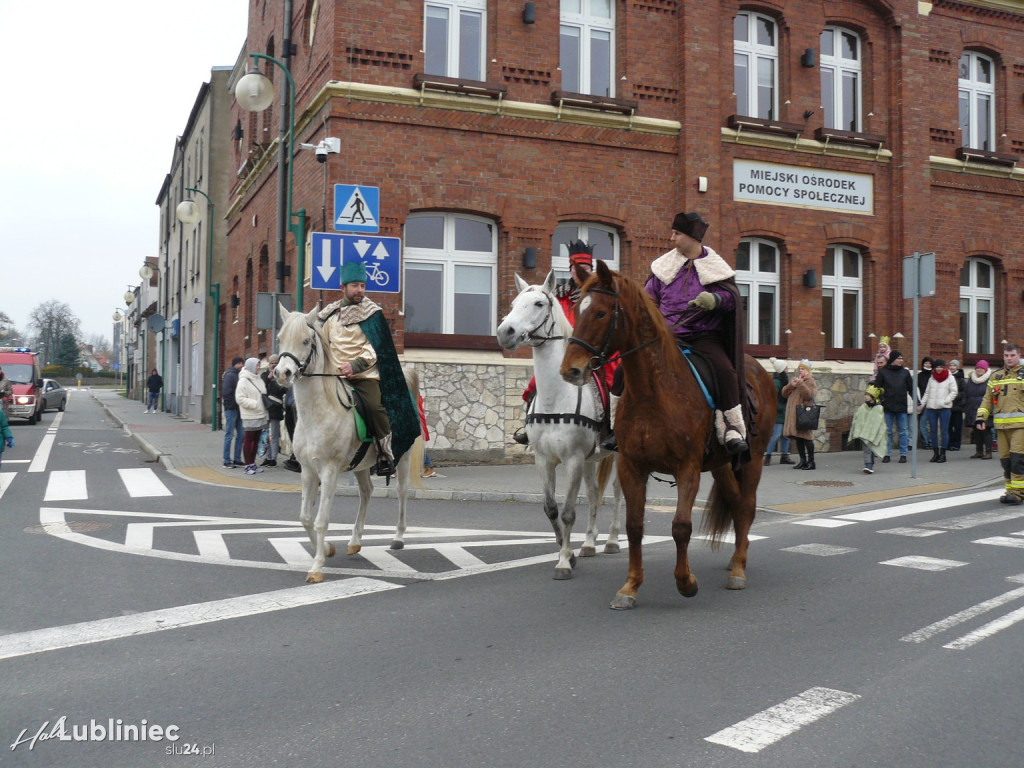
806	449
369	390
710	345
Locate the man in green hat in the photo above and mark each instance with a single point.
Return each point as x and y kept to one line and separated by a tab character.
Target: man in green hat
363	352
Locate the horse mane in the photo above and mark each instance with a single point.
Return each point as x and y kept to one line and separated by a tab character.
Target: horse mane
561	321
635	300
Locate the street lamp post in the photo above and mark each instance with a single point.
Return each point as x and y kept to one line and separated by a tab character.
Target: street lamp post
118	317
254	92
188	213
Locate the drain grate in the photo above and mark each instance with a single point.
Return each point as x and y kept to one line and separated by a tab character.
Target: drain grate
75	526
828	483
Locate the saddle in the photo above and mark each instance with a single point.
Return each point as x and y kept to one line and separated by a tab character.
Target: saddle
361	414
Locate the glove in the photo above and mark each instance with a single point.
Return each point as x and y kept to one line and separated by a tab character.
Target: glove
10	442
979	425
705	300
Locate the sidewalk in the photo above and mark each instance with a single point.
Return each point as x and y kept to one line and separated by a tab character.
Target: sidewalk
194	451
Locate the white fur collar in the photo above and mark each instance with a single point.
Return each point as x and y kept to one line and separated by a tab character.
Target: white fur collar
711	268
980	379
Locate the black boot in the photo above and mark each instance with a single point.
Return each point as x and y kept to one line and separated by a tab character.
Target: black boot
935	456
942	457
767	459
784	459
810	458
611	443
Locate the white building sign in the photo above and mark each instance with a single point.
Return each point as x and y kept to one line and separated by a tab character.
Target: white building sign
756	182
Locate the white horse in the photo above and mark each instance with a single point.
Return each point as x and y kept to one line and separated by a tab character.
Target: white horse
564	420
326	437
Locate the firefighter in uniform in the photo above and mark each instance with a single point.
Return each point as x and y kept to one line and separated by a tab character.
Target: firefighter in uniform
1004	402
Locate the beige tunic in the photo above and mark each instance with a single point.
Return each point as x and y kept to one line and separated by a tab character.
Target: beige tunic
346	341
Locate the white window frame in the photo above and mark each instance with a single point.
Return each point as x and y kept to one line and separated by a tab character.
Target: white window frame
754	53
576	15
975	92
750	281
840	285
448	259
971	297
838	68
589	233
455	10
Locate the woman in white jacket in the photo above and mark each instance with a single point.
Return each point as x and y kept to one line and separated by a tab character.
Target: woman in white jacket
249	396
937	404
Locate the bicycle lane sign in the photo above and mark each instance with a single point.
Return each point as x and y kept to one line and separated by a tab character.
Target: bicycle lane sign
382	256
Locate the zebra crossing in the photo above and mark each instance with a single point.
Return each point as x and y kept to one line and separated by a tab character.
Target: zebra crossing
72	485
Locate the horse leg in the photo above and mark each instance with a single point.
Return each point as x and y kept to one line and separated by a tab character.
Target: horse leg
403	470
611	544
328	482
566	559
634	489
738	494
365	491
682	527
546	467
589	548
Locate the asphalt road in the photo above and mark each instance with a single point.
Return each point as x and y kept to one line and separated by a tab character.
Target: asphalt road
866	638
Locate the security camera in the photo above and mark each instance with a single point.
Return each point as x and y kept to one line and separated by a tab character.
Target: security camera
324	148
321	153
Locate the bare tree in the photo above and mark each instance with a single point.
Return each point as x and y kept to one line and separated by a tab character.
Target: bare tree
9	333
100	345
51	320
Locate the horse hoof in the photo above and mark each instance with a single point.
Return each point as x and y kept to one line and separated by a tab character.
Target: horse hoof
572	560
587	551
611	548
687	589
736	582
314	578
330	550
353	549
623	602
398	545
561	574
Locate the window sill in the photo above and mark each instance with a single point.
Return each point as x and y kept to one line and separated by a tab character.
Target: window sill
834	135
423	82
740	123
586	101
451	341
847	353
984	156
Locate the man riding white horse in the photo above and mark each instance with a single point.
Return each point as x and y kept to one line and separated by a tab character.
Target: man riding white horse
696	291
581	263
362	352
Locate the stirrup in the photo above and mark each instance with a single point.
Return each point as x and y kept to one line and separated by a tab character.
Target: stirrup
611	443
736	445
521	437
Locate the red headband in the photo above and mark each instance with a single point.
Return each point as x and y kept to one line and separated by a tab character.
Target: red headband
581	258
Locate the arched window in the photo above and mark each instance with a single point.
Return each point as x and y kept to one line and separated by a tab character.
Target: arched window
977	305
977	99
604	239
842	291
840	78
450	273
757	276
587	46
755	65
453	38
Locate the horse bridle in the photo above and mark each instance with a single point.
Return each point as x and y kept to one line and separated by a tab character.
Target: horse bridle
532	333
302	366
600	357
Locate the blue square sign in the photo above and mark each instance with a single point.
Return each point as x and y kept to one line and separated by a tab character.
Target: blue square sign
382	256
356	208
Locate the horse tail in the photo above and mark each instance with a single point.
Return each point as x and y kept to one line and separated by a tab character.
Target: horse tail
718	514
416	451
604	471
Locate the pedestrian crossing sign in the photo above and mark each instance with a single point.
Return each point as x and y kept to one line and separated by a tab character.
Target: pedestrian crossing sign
356	208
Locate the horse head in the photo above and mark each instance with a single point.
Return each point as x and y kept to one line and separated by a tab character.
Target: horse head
535	316
598	328
295	343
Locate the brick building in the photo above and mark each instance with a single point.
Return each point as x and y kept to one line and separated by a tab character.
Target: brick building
823	141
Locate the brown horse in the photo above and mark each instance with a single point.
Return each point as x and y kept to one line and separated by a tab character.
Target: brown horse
664	424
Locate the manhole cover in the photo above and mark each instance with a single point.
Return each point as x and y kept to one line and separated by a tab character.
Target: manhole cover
75	526
828	483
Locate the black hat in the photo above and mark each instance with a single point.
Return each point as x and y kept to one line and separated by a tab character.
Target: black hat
237	360
938	362
580	253
894	355
690	224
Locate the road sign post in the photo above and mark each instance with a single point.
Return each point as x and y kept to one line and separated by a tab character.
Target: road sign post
918	281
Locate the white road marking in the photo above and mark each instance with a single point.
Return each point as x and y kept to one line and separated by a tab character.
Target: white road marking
822	550
1002	541
931	505
922	563
985	632
824	522
775	723
729	537
6	478
42	454
66	485
913	532
55	638
966	615
141	482
973	521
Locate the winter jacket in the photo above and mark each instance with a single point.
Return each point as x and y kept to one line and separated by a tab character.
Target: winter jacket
897	385
228	385
1004	398
939	395
676	281
275	396
958	404
974	393
249	396
155	382
798	392
781	380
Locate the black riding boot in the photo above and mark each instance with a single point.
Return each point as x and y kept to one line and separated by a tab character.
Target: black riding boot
935	456
810	456
803	456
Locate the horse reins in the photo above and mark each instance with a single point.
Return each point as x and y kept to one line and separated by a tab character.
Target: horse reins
600	357
532	334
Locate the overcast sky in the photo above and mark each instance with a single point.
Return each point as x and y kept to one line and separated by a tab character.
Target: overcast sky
95	94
